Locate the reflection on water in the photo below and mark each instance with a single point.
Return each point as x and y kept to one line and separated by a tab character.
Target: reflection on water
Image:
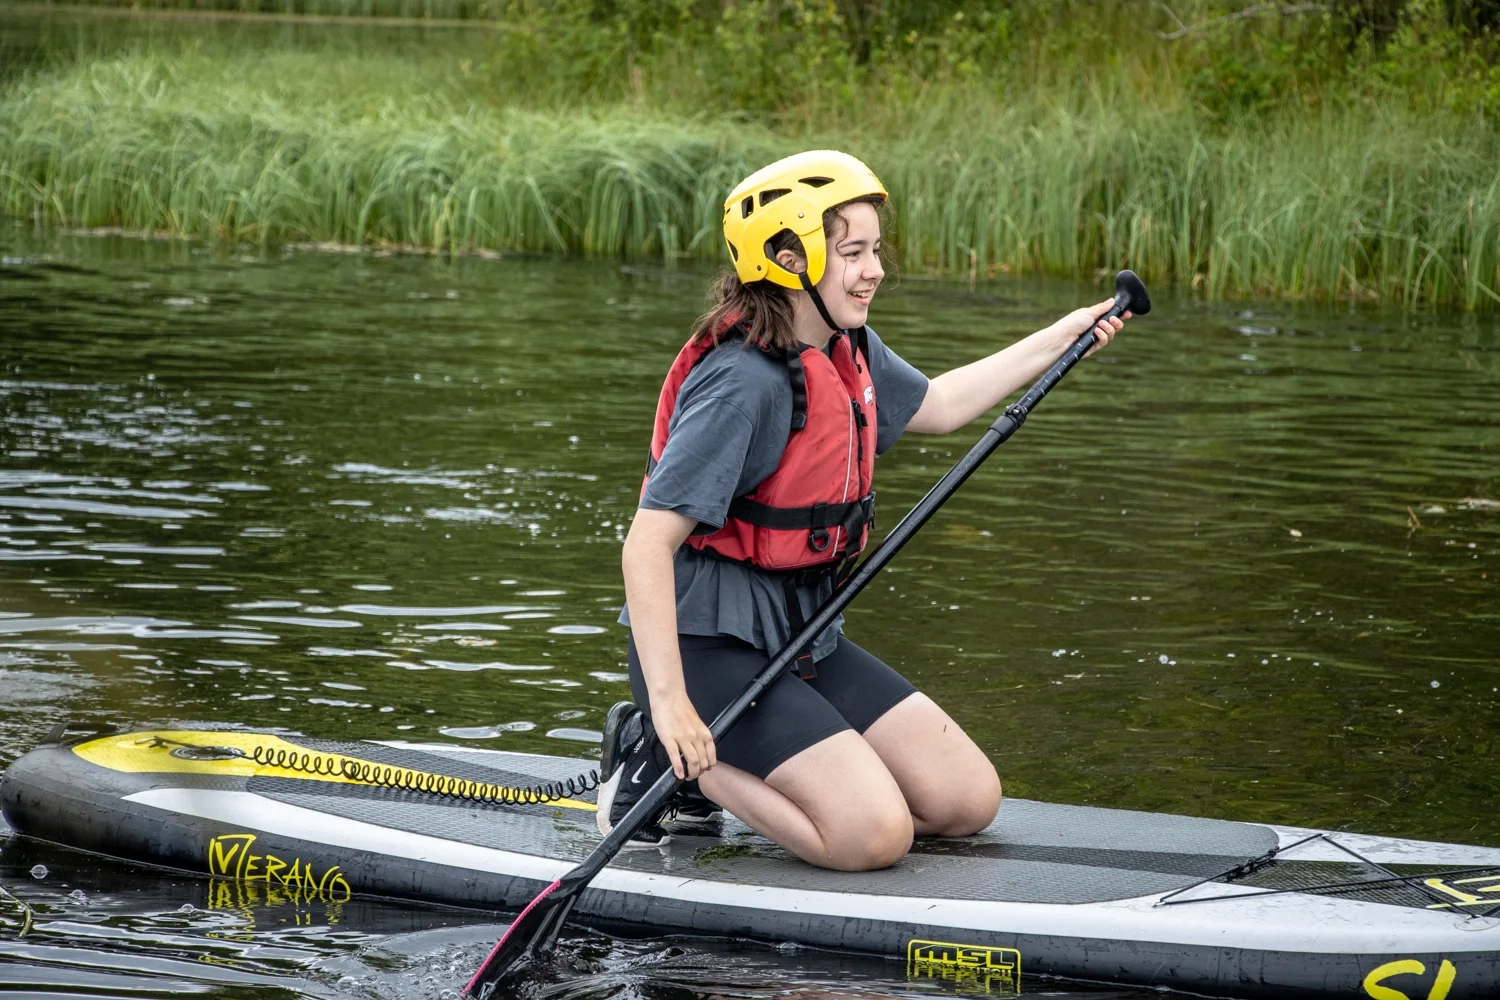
1243	566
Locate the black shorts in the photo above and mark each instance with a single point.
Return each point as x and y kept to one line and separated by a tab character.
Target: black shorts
852	690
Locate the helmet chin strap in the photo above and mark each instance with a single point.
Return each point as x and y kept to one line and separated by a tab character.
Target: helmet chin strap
807	286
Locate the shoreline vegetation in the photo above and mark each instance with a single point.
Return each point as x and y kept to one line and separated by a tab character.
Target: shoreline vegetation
1344	152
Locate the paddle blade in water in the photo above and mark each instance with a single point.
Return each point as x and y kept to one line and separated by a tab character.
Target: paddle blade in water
532	933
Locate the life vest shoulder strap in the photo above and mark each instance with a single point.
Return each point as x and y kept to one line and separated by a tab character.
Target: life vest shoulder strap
862	347
796	378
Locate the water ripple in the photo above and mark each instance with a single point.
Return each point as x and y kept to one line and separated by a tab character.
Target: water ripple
420	612
85	507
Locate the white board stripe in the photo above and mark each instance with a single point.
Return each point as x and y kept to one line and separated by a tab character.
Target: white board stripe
1386	850
1292	922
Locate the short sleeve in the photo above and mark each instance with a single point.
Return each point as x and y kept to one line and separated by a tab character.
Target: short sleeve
731	424
899	391
702	462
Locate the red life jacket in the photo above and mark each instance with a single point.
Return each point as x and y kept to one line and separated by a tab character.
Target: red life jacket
816	508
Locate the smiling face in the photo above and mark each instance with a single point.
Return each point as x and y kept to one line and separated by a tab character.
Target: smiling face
853	271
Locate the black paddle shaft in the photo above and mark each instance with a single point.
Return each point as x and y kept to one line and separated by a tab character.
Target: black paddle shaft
547	913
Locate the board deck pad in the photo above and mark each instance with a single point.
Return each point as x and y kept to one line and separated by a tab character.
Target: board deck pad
1034	852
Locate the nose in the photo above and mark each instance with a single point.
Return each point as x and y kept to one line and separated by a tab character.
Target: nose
873	271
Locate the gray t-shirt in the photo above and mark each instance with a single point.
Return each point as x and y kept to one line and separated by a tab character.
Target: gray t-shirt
731	424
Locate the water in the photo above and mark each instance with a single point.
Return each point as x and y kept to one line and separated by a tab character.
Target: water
1243	565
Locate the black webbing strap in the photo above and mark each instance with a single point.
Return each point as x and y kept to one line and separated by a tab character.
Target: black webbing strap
795	619
862	347
863	517
819	515
797	377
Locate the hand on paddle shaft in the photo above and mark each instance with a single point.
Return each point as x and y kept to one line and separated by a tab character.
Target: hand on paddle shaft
534	932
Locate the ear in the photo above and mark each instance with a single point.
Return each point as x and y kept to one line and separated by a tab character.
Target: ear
792	261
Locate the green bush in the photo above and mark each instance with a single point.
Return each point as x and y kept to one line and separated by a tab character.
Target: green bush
1336	154
795	57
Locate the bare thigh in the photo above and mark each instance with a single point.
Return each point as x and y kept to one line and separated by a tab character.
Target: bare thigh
949	785
834	804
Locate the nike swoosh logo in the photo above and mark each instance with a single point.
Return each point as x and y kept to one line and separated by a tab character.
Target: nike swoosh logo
635	779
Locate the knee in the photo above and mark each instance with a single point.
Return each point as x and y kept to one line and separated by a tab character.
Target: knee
984	806
975	807
878	842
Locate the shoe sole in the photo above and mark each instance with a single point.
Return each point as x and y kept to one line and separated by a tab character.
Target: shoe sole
713	831
708	825
607	792
608	766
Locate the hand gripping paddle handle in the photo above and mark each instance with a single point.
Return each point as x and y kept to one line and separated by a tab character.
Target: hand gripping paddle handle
536	929
1130	296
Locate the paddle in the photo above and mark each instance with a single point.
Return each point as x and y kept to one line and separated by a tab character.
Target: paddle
535	931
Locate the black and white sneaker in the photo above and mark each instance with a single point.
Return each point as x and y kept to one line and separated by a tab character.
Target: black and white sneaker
694	813
630	763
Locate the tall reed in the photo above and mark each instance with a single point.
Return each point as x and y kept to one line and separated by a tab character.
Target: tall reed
379	147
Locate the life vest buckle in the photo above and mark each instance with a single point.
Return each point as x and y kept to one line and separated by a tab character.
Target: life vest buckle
819	539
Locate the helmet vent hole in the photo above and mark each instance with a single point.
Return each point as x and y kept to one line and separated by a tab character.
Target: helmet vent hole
747	206
734	252
814	182
766	197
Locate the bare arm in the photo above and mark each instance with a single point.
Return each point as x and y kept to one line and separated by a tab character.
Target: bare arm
651	592
956	397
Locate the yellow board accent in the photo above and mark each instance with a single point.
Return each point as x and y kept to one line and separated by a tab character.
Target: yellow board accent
973	965
1485	883
1379	974
134	753
1447	972
1483	878
1374	988
229	856
1465	898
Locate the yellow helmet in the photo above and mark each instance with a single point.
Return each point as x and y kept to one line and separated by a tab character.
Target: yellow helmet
792	193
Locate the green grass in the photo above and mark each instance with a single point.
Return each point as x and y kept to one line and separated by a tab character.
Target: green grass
188	145
379	145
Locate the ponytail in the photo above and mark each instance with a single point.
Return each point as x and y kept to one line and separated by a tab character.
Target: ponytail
762	307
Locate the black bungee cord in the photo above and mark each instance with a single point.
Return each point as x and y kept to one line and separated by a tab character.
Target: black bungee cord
391	776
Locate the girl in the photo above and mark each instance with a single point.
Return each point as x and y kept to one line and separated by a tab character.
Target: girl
757	495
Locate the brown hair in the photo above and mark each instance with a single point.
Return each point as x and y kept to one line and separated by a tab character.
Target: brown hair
764	307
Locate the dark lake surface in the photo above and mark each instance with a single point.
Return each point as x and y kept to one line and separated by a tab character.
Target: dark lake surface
1244	565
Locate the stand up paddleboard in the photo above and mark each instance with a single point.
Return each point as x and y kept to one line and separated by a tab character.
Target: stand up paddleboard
1204	906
